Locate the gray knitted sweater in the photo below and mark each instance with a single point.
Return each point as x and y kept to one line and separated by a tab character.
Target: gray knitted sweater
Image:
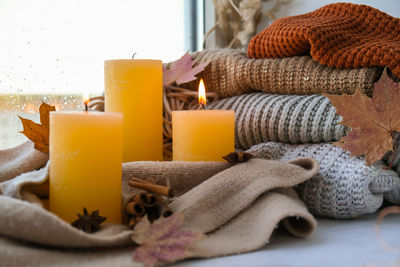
293	119
345	187
261	117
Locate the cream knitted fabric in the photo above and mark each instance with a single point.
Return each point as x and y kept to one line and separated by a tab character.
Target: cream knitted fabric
230	73
261	117
345	187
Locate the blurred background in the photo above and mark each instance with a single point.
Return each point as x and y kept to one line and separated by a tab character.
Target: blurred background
53	50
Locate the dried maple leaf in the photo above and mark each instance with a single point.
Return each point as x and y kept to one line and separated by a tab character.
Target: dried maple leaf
182	71
163	241
373	121
39	133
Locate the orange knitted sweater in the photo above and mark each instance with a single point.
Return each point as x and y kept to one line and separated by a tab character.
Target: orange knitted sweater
339	35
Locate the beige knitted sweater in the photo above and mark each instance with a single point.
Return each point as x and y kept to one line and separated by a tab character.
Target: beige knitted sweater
230	73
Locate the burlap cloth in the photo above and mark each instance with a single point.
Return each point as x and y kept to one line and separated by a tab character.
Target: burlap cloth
341	35
248	200
229	72
20	159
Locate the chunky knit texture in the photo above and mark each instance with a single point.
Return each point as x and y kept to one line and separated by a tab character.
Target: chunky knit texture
345	187
261	117
292	119
230	73
339	35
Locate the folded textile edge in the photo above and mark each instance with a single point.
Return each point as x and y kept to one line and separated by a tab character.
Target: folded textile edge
229	73
25	221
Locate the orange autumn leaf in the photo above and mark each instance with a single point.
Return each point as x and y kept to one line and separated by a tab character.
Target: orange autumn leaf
39	133
372	120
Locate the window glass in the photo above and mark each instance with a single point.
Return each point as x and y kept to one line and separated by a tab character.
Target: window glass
53	50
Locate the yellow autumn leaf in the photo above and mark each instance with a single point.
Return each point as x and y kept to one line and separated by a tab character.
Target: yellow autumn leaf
39	133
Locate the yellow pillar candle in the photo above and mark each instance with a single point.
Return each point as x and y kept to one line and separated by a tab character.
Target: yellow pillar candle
85	164
134	88
202	135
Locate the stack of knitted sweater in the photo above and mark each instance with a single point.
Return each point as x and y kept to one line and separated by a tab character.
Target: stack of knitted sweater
275	91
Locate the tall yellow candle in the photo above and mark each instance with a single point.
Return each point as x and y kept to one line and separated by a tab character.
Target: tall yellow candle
85	164
202	135
134	88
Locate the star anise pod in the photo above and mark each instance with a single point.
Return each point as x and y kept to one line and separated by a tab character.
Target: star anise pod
89	223
238	157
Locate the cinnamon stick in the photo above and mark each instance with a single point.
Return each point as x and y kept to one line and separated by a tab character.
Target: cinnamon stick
146	199
166	209
160	189
135	208
153	213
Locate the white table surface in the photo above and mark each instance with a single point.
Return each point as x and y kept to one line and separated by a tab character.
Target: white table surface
334	243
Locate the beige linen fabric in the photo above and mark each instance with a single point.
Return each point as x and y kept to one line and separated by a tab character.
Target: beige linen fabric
180	175
243	198
19	159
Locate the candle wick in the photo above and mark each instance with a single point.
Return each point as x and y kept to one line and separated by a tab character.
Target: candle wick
202	107
86	107
134	54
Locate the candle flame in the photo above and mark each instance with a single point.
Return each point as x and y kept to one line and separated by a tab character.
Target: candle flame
85	98
202	93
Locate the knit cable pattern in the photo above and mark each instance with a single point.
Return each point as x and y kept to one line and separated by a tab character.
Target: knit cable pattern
338	35
290	119
229	72
261	117
345	187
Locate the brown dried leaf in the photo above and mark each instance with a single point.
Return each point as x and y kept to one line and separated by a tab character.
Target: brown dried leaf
163	241
39	133
372	120
238	157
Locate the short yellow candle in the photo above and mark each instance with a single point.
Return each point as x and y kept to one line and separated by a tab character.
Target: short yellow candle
85	164
134	88
202	135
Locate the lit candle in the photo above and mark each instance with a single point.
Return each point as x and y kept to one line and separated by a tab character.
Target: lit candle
134	88
202	135
85	164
